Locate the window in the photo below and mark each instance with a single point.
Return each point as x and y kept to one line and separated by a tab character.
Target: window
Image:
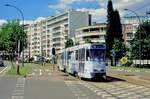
77	54
95	55
82	54
130	35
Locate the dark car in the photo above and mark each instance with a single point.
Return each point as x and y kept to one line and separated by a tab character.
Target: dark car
1	62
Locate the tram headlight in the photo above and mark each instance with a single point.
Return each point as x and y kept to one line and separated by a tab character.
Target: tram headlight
95	70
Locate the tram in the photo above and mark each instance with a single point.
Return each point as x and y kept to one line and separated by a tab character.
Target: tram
85	61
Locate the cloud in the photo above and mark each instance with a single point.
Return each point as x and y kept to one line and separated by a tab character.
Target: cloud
2	21
119	4
66	4
97	14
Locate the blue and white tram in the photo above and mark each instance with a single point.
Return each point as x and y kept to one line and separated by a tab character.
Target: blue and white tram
86	61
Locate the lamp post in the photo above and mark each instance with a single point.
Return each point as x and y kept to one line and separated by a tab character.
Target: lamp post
140	46
9	5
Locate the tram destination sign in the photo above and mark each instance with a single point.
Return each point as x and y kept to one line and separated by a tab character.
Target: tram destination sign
98	46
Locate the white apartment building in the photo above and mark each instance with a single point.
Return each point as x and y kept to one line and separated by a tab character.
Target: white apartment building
95	33
36	36
63	26
44	34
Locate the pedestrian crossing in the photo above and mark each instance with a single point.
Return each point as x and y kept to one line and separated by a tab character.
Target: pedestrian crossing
18	92
40	74
116	90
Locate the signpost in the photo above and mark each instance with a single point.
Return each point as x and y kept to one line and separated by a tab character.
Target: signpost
113	56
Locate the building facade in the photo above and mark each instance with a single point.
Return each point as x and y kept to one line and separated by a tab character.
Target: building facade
130	26
52	32
94	33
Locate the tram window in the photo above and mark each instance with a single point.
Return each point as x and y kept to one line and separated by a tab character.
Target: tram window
87	55
95	55
82	54
77	54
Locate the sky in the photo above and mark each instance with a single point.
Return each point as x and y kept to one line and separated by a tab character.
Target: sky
32	9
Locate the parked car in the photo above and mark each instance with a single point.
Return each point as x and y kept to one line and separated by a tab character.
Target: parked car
39	59
1	62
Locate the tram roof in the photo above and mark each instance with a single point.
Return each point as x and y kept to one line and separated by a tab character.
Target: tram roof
88	46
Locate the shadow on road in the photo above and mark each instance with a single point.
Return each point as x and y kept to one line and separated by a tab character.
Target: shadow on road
107	80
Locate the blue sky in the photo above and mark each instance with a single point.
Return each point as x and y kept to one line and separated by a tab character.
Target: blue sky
33	9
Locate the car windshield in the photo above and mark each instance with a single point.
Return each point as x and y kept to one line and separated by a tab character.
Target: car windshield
95	55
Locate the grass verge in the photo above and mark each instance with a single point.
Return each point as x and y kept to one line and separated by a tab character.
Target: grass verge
24	71
130	69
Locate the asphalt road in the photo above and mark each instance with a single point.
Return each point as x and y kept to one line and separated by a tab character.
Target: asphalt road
7	85
45	83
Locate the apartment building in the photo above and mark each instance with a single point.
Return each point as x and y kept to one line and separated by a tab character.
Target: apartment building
52	32
36	36
63	26
128	33
130	27
95	33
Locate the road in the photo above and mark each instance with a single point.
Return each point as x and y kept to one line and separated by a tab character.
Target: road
45	83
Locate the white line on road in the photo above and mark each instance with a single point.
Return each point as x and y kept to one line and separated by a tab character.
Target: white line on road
47	70
18	92
3	70
40	72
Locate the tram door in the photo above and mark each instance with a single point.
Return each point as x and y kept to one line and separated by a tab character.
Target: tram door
81	60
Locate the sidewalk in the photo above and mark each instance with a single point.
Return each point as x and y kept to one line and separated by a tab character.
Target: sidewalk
137	77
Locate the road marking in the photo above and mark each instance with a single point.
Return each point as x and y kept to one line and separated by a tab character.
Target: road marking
3	69
121	90
18	92
76	91
40	72
47	70
3	72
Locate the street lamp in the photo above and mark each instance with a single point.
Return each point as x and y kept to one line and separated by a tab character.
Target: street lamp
9	5
140	46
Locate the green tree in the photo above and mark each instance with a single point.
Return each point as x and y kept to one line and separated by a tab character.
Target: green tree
87	40
10	34
68	43
144	42
118	45
114	36
109	32
119	48
117	27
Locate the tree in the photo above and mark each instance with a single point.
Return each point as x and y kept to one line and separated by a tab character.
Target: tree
118	45
12	34
114	36
68	43
144	42
109	32
119	49
117	27
88	40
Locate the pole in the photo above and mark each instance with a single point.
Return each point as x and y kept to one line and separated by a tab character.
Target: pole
140	46
23	29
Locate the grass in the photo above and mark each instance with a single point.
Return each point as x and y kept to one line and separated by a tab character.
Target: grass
130	69
23	70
